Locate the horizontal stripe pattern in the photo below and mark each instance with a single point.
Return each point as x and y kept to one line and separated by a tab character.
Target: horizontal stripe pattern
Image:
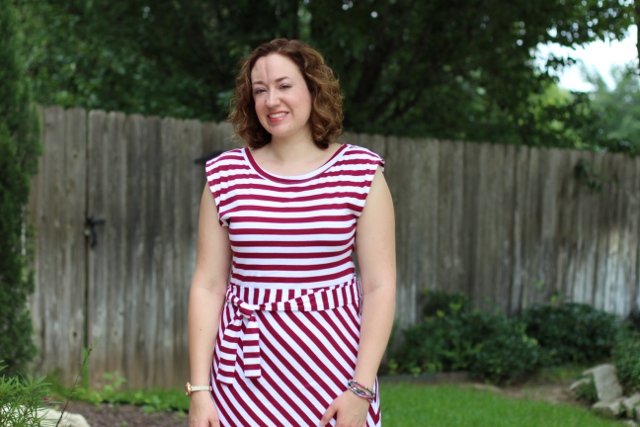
287	341
275	218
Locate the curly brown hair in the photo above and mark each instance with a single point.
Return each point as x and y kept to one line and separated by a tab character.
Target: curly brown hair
326	116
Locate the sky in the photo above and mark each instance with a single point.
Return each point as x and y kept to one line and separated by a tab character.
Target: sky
600	56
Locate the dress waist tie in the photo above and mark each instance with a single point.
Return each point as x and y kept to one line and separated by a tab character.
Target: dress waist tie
243	329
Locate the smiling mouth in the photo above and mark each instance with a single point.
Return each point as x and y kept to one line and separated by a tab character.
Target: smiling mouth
276	115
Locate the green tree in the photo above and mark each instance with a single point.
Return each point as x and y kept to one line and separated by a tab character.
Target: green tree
447	69
165	58
618	110
455	69
18	160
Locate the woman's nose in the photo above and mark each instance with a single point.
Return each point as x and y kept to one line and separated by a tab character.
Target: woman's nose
272	98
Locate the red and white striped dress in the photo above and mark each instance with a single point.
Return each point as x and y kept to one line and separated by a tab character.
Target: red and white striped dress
288	338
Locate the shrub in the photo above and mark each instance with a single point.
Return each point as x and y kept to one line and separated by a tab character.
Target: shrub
626	357
19	151
453	338
507	353
20	399
571	333
440	301
634	320
443	341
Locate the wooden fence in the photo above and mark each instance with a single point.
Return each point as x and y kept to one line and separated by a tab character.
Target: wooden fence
509	225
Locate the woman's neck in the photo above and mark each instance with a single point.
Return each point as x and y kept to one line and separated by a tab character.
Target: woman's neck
292	158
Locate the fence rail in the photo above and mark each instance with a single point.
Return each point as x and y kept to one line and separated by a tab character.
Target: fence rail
510	226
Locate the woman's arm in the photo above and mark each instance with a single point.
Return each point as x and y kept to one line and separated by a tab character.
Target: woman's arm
376	251
375	248
206	300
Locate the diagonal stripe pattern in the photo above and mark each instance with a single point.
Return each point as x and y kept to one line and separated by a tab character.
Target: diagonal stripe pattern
244	330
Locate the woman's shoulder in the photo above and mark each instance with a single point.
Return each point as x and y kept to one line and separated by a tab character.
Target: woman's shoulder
229	157
357	152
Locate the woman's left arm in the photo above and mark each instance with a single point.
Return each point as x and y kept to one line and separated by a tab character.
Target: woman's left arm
375	249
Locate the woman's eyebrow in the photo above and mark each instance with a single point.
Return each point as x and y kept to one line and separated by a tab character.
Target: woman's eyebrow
260	82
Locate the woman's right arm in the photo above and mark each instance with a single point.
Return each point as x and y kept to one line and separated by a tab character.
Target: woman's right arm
206	300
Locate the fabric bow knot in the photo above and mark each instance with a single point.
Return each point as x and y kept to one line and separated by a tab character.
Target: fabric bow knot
242	330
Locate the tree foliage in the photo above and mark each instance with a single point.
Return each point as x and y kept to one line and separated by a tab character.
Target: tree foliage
447	69
18	160
618	110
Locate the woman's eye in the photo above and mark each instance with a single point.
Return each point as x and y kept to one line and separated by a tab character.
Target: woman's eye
258	91
285	86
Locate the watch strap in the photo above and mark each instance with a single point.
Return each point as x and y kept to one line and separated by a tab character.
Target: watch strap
193	388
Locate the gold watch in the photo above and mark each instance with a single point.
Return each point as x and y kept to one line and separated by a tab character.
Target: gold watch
192	388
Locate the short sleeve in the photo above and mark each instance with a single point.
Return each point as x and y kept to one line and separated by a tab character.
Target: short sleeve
362	165
221	172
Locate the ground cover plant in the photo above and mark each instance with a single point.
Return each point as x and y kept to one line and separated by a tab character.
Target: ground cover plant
115	392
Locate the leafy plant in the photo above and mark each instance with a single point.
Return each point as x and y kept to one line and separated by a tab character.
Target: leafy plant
452	337
626	357
507	352
587	392
20	399
571	333
443	341
113	392
448	303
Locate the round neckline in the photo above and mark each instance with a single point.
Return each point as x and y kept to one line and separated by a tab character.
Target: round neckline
293	178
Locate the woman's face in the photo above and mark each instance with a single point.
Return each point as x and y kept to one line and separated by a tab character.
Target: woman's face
282	98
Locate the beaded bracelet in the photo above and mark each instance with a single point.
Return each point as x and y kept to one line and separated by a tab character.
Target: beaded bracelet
361	391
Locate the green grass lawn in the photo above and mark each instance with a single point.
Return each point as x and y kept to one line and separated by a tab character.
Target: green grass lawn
409	405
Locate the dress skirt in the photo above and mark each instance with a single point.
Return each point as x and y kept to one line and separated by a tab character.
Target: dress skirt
307	345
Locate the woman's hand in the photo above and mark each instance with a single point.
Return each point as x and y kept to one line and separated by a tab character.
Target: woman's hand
349	410
202	411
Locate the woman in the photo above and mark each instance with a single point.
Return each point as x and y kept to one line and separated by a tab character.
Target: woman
296	341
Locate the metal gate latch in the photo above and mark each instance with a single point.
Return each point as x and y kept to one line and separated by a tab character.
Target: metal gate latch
90	229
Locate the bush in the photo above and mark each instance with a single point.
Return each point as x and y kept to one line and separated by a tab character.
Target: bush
507	353
443	341
440	301
634	320
20	399
626	357
19	150
571	333
453	338
497	348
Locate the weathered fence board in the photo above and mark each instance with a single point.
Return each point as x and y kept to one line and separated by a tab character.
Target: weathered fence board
510	226
106	279
57	211
134	338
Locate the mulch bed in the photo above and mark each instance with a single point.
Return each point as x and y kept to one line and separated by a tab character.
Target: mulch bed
107	415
